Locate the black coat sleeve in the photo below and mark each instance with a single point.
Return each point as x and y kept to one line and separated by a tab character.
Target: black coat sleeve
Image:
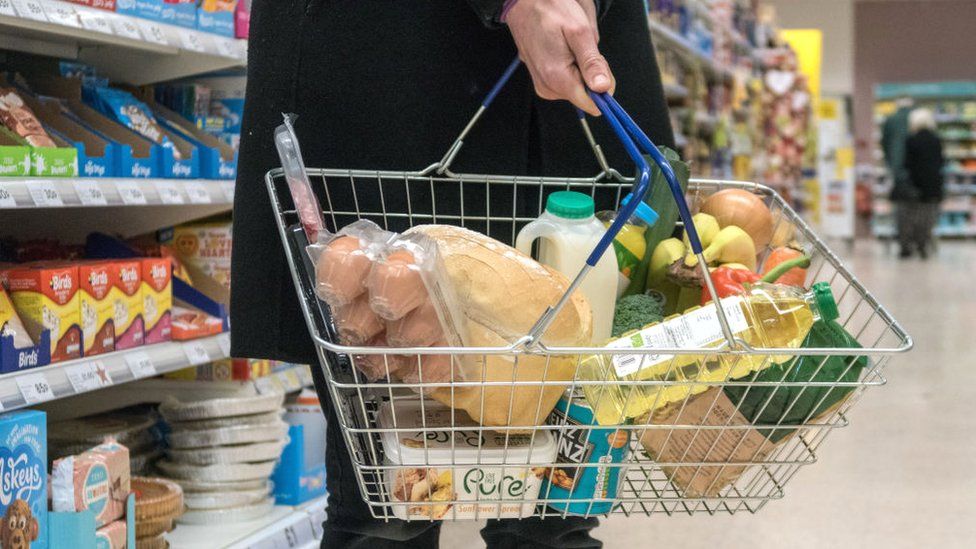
488	11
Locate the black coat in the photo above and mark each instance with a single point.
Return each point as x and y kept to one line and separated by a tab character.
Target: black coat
924	163
381	84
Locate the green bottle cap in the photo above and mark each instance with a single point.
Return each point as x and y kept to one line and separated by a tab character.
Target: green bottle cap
824	298
569	205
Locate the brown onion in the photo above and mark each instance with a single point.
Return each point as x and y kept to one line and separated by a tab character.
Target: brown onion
744	210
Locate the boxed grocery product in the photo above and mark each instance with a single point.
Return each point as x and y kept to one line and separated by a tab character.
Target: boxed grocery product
95	153
17	350
216	16
15	159
108	5
97	310
205	246
96	480
179	12
242	19
146	9
111	536
489	464
217	159
227	369
47	297
16	116
23	492
127	303
191	324
157	298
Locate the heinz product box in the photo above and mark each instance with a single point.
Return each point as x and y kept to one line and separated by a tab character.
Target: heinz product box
48	297
97	313
127	303
23	479
157	299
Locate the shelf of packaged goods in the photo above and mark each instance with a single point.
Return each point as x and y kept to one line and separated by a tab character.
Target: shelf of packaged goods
30	192
124	48
74	377
285	526
665	37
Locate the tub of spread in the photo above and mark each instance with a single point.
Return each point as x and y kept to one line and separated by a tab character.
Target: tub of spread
462	473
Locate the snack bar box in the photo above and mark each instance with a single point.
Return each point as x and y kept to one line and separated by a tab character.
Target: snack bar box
511	471
217	16
23	492
182	13
146	9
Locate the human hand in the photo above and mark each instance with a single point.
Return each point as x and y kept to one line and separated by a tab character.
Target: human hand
557	41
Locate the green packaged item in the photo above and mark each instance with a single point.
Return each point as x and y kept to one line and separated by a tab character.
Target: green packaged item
795	405
660	199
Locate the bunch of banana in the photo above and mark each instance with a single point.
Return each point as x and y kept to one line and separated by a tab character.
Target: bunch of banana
673	270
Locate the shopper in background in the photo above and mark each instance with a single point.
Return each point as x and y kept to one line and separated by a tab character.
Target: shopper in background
924	163
894	137
387	85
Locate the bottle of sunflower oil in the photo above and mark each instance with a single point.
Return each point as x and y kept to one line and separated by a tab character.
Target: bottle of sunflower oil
766	316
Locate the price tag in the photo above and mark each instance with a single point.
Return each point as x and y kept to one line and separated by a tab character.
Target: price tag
153	33
228	188
63	15
94	21
34	388
127	28
30	9
88	376
7	199
45	194
140	364
224	341
192	41
225	47
169	193
130	193
197	192
196	353
7	8
89	194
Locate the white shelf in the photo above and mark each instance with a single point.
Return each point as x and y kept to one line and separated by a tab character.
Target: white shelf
285	526
36	192
124	48
74	377
665	37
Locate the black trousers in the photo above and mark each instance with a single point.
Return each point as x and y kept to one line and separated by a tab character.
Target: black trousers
351	525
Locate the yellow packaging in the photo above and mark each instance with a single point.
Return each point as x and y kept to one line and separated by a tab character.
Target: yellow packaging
206	247
48	297
127	304
157	299
227	369
10	323
97	318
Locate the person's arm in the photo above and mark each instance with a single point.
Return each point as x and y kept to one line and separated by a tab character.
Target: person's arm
491	11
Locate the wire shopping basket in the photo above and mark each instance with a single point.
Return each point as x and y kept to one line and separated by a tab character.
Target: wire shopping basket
726	445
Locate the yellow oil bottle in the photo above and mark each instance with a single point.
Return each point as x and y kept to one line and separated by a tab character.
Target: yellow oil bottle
767	316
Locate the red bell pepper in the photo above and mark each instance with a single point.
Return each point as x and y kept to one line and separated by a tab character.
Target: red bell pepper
729	282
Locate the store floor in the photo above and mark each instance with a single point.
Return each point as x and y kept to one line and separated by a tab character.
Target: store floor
902	475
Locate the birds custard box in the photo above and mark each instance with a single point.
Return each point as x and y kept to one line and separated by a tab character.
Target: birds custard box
127	303
97	312
47	296
23	480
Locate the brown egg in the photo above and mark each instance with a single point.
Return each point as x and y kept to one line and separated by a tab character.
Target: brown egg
420	328
376	367
357	323
395	285
429	369
341	270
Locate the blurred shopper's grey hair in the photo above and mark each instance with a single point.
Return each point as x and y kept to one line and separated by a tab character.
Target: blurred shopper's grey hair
921	119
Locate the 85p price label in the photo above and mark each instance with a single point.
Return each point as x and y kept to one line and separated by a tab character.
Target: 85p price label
34	388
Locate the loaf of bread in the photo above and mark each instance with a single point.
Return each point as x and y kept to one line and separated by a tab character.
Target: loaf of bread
501	293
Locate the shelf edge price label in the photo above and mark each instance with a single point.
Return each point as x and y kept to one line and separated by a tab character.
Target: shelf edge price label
130	193
153	33
125	27
63	14
225	47
44	194
95	22
140	364
34	388
224	341
169	193
196	353
88	376
89	193
7	8
228	188
30	9
192	41
197	192
6	199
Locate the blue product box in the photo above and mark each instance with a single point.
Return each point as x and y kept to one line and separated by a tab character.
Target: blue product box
232	111
23	477
91	163
293	483
146	9
182	13
216	22
187	167
78	531
15	359
217	161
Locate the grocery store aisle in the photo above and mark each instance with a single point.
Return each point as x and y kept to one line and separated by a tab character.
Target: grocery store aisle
902	474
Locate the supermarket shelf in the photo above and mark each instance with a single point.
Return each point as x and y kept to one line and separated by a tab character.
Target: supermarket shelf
664	36
285	526
75	377
31	192
124	48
